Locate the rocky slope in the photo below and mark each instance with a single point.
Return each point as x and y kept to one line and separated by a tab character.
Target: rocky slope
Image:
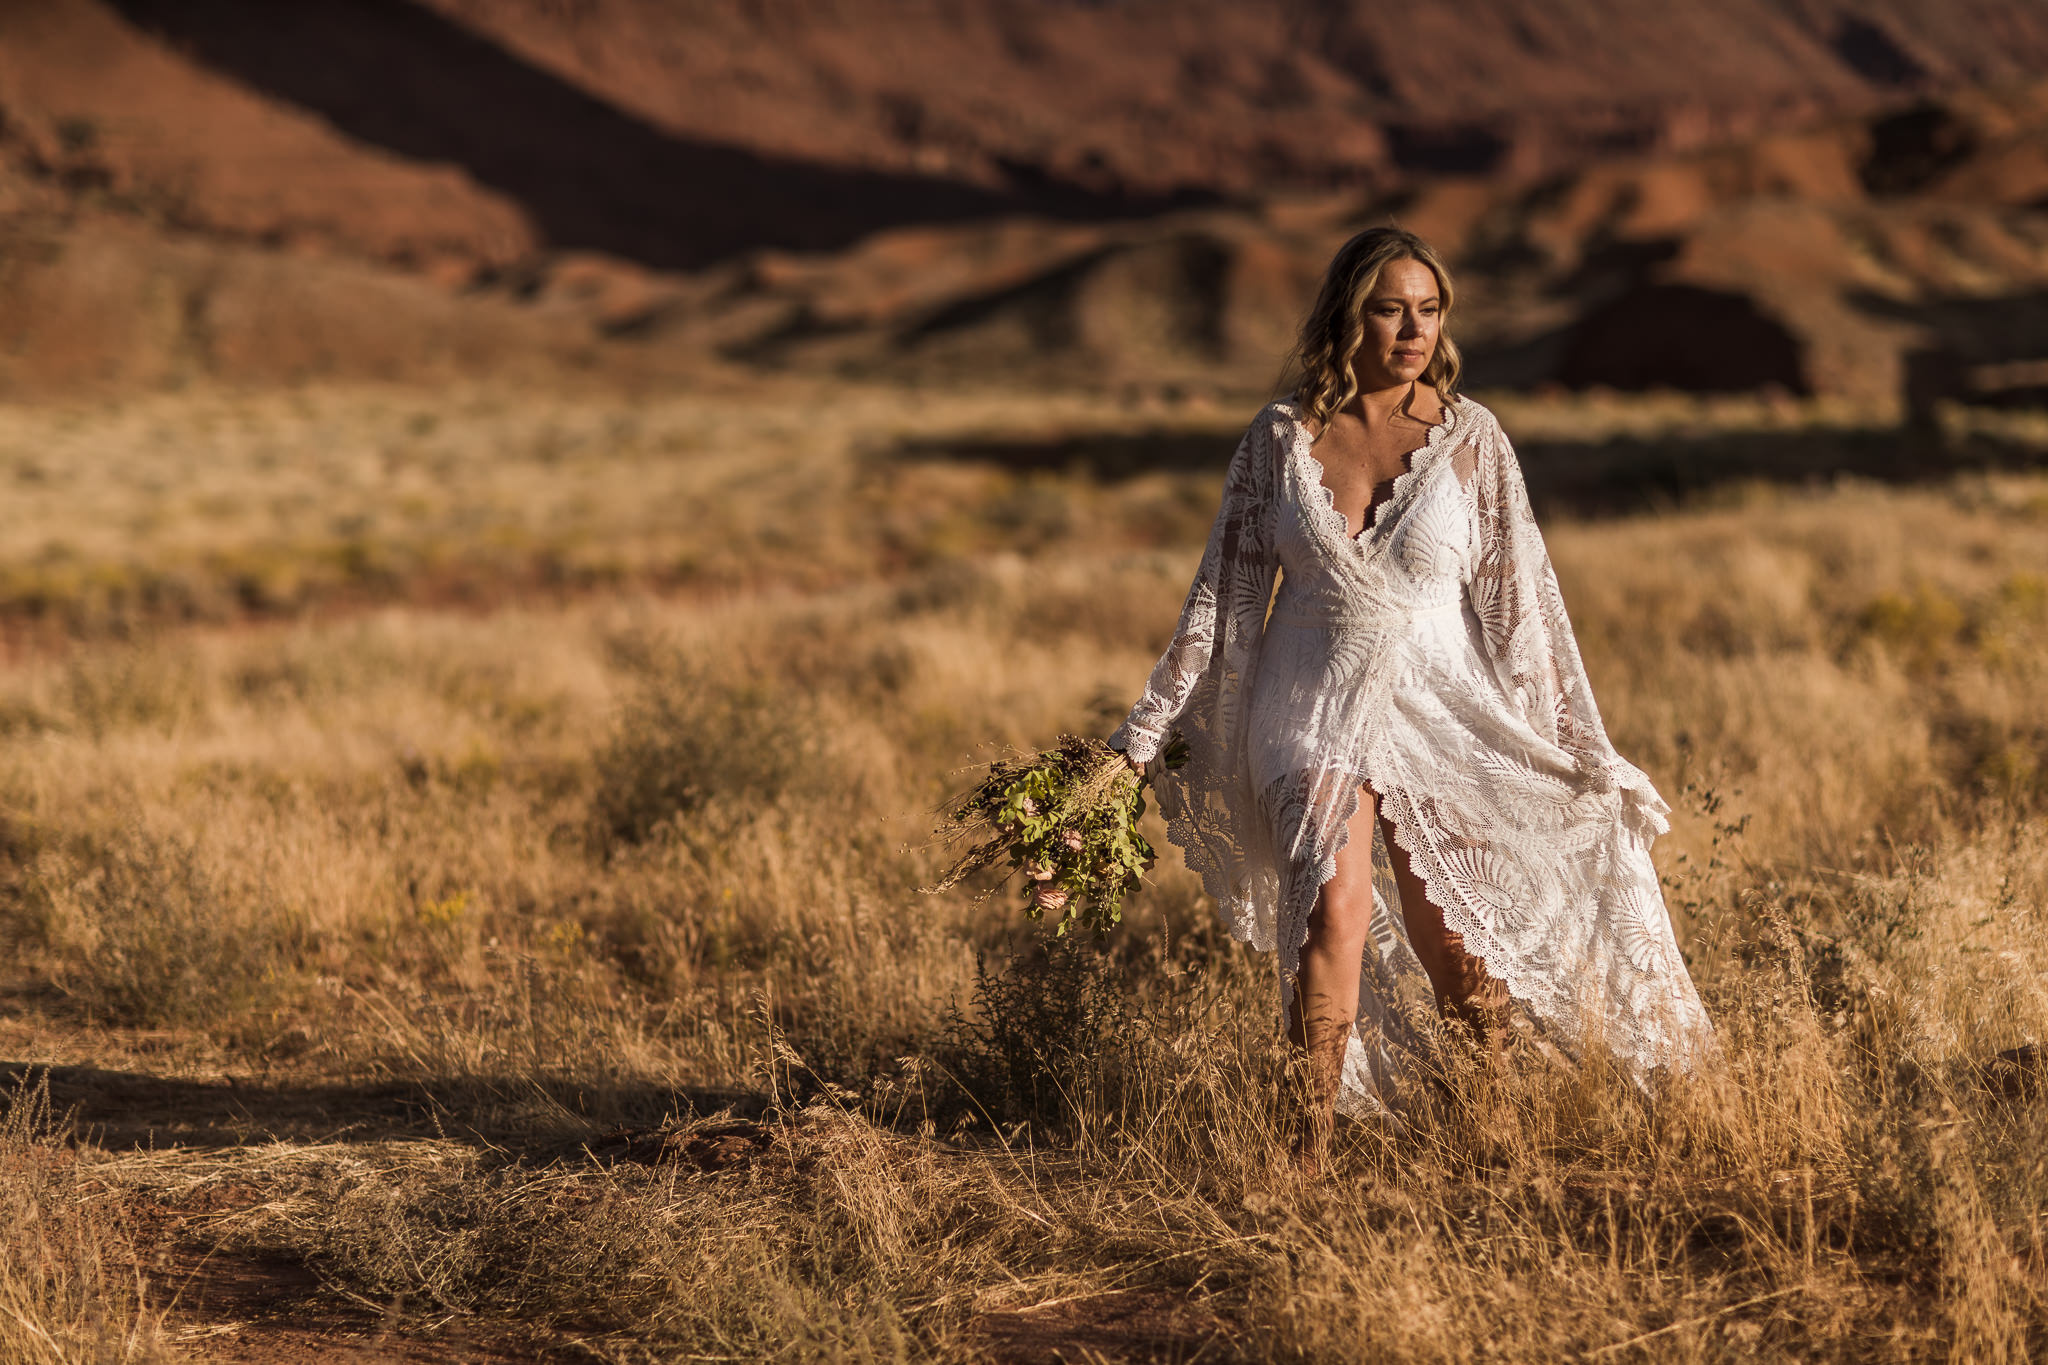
1130	190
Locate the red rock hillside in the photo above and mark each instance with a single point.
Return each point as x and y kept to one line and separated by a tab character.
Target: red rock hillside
1045	190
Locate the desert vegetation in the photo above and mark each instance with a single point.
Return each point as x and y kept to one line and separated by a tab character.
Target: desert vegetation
460	858
513	516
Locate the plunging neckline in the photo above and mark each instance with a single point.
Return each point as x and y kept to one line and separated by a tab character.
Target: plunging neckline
1416	459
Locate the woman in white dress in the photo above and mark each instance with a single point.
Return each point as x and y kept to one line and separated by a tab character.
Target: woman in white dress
1411	701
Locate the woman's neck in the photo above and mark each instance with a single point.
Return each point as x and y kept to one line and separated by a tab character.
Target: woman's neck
1378	407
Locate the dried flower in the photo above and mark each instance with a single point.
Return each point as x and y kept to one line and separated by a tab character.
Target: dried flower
1064	818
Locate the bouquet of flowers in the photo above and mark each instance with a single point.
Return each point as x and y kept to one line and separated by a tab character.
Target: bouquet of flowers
1067	820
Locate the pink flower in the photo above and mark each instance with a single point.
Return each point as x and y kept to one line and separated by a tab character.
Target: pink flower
1038	872
1050	898
1030	807
1073	840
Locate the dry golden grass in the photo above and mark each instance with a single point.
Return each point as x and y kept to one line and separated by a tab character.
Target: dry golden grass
567	960
69	1287
215	506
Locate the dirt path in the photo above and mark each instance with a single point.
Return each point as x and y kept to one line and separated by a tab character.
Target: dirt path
232	1307
200	1171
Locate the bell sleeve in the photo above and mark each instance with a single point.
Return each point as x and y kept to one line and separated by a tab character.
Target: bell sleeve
1529	642
1225	611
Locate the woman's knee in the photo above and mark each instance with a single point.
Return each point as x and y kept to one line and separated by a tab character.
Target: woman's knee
1343	915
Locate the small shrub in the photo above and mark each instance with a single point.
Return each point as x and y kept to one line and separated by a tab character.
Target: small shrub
686	739
149	934
1921	629
1046	1035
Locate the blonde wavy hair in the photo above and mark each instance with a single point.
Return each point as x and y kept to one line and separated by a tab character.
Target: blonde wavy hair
1319	372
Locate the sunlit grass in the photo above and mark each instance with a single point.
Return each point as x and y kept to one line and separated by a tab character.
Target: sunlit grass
590	861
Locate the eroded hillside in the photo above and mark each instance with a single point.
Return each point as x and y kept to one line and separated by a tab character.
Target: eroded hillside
1751	193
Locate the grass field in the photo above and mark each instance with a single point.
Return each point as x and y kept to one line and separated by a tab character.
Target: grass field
460	857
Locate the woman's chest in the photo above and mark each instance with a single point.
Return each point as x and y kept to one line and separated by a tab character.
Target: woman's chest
1425	528
1360	479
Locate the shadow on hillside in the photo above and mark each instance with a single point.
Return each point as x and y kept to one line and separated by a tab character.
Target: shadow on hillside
1632	474
396	74
1612	477
127	1110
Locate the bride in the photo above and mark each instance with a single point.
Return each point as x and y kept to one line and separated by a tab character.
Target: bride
1411	701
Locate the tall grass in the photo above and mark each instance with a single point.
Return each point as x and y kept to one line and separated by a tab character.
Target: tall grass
612	864
70	1289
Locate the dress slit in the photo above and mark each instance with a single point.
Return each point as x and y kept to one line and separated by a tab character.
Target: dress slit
1457	919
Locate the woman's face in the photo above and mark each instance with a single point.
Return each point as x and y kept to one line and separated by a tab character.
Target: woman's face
1402	317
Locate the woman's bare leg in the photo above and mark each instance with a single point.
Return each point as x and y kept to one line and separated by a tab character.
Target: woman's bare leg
1326	987
1465	990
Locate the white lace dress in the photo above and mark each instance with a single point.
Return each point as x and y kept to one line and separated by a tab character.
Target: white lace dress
1431	657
